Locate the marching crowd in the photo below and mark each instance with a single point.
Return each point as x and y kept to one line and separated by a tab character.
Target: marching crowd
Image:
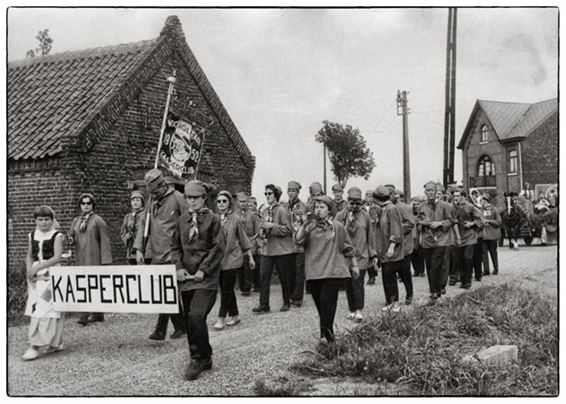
318	246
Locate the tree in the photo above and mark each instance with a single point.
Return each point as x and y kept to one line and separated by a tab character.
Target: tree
347	151
45	43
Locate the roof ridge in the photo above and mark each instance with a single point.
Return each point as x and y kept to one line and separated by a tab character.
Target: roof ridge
83	53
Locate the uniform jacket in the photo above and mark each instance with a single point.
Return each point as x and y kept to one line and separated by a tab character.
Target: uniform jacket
279	239
237	242
92	246
390	230
438	211
361	233
491	231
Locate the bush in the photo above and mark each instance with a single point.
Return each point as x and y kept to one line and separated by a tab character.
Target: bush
423	349
17	294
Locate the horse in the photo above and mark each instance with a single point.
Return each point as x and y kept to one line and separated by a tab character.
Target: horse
513	218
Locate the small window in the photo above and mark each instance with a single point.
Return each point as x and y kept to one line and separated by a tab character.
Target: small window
483	134
486	168
513	161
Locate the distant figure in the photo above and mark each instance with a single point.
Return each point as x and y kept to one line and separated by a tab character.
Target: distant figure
92	245
131	224
45	247
339	202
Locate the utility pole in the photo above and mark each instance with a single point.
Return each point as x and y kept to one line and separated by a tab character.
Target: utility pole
450	99
324	168
402	110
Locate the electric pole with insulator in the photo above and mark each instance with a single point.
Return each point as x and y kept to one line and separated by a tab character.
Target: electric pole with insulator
403	110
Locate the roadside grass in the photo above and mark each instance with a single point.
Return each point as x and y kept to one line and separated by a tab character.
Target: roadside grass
421	350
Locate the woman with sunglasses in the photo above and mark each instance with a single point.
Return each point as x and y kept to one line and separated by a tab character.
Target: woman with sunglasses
92	246
327	245
276	249
237	244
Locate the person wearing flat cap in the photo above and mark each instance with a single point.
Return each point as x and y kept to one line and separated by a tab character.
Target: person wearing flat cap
409	223
330	261
197	250
88	233
491	233
315	189
358	224
130	225
276	249
237	247
435	220
296	208
339	202
164	209
389	246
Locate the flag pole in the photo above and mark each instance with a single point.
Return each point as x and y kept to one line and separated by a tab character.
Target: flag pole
171	79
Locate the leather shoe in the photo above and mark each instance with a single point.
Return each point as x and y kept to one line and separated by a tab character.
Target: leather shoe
297	303
96	318
285	307
157	336
177	334
371	280
83	320
443	291
262	308
196	367
246	293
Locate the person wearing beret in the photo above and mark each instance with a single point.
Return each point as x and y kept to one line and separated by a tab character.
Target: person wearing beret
166	206
237	246
389	246
296	208
130	225
88	233
339	202
435	220
329	255
276	249
197	250
359	227
491	233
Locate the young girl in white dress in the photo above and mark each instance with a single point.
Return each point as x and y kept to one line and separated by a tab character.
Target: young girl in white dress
45	247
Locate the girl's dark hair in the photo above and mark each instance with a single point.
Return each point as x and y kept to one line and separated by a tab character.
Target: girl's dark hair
43	211
276	190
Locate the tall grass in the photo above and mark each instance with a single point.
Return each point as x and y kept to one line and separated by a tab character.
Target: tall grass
423	349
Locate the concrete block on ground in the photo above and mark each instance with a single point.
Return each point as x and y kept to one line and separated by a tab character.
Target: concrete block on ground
500	355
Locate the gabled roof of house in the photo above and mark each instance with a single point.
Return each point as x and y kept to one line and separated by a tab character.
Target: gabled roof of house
53	99
511	120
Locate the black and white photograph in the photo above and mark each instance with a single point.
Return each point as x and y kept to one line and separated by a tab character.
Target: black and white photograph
282	200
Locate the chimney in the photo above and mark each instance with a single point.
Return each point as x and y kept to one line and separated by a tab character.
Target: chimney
173	28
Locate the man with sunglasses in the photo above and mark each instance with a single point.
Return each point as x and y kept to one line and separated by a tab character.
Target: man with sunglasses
359	227
165	208
92	246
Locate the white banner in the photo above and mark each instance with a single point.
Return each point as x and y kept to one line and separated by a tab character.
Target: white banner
115	288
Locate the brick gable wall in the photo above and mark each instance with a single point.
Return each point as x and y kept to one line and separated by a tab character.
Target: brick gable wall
540	153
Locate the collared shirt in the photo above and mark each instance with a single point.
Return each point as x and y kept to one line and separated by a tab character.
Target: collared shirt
438	211
164	215
492	230
203	253
279	239
237	243
359	228
389	230
326	249
464	213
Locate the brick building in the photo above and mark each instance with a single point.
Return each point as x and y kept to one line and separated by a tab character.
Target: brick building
508	145
89	121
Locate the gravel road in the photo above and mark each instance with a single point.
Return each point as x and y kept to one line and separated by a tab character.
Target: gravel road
115	358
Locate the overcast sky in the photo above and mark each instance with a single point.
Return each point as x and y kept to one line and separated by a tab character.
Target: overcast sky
281	72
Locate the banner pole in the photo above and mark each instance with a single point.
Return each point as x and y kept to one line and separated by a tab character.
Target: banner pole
171	79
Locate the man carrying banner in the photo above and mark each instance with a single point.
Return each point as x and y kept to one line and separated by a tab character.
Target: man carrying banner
166	206
197	250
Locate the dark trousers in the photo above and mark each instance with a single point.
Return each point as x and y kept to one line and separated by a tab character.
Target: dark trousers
435	267
355	292
325	295
177	320
245	275
283	262
406	276
491	247
477	260
446	269
297	277
464	261
454	273
372	272
417	259
196	306
389	272
256	273
228	303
